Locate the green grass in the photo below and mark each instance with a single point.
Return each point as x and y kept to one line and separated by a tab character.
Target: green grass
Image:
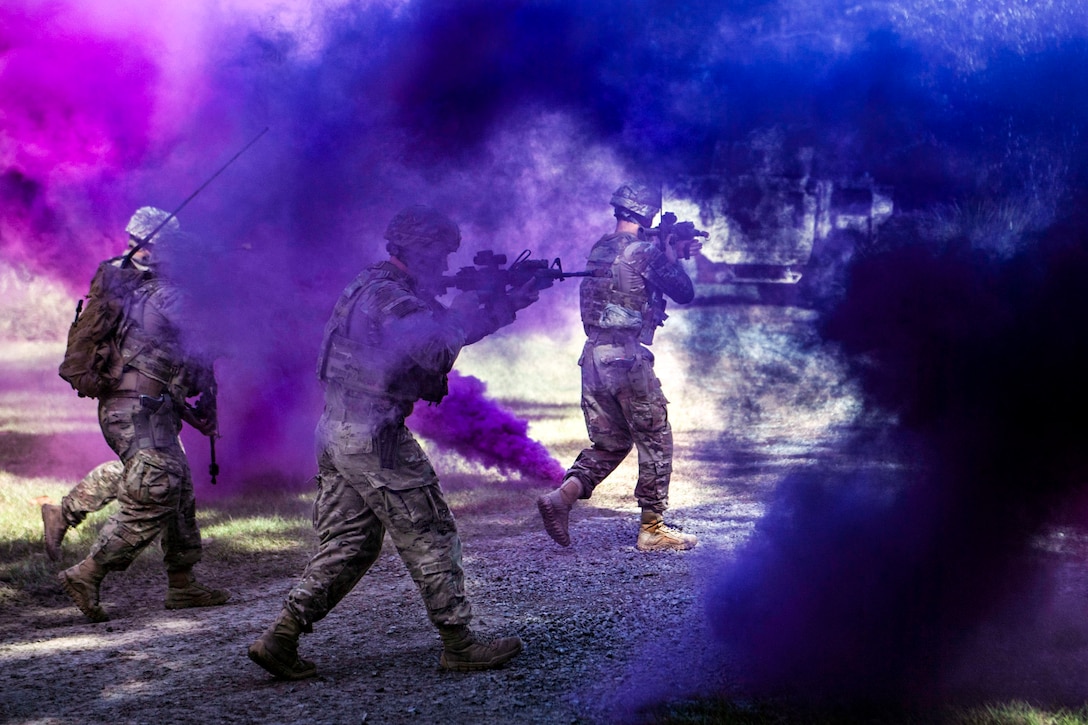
1020	713
235	531
249	529
24	568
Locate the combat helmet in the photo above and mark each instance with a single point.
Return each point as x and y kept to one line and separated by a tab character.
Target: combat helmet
423	230
146	220
637	202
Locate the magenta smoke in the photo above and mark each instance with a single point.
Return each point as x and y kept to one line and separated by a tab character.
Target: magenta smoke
481	430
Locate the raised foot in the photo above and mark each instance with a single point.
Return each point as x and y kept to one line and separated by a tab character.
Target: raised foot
55	528
555	513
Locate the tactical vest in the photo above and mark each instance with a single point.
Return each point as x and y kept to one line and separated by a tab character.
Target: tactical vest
611	312
370	366
159	357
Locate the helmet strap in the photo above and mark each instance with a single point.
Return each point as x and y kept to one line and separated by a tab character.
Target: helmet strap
627	215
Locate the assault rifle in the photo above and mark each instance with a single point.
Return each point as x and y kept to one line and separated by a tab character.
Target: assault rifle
679	234
491	279
204	417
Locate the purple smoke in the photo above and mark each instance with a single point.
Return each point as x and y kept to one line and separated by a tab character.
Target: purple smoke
107	111
481	430
75	120
518	119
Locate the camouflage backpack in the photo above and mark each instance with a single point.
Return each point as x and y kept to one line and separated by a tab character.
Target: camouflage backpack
92	362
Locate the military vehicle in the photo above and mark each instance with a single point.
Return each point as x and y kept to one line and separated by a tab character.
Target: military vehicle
777	229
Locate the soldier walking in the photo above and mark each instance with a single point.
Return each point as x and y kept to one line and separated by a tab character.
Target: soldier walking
389	344
621	395
140	416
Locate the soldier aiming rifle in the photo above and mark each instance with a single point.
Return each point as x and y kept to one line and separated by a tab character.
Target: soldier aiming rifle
680	235
632	270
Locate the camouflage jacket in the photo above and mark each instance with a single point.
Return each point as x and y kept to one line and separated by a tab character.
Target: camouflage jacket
388	344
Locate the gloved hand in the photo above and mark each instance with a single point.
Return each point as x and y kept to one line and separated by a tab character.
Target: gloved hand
202	420
466	304
523	296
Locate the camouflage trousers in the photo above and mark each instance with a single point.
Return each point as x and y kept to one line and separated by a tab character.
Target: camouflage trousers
355	508
623	406
155	491
94	492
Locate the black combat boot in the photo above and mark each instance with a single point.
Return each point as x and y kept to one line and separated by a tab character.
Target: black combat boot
55	528
81	583
464	651
277	650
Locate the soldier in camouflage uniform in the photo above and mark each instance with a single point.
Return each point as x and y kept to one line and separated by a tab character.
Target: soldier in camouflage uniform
621	396
94	492
140	420
388	344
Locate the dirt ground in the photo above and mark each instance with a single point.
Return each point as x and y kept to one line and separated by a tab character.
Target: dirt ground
604	627
608	631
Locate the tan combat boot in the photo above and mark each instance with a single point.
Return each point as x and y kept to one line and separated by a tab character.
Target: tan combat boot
55	529
655	535
81	583
277	650
464	651
555	509
184	592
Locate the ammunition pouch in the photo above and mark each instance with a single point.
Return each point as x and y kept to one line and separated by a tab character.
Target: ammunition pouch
373	379
158	364
155	423
387	443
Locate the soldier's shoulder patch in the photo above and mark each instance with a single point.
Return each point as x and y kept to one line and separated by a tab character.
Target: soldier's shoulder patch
390	297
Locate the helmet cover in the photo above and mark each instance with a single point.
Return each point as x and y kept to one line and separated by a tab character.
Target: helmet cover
147	219
423	229
639	199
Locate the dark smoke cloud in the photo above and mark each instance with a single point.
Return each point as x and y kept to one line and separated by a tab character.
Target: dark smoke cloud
865	585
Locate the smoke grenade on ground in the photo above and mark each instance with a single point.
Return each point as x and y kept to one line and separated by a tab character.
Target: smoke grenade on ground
481	430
